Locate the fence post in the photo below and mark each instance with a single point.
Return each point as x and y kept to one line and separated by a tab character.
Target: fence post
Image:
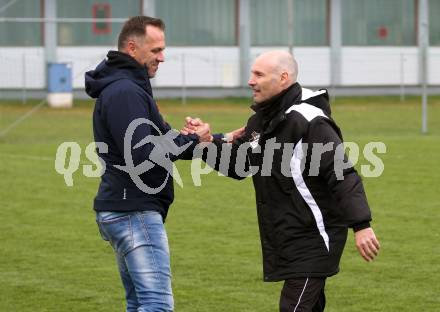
182	62
423	17
23	79
402	77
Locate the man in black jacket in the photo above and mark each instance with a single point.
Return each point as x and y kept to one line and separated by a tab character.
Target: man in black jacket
306	194
137	147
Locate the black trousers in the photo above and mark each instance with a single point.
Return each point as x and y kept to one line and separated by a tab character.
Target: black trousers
303	295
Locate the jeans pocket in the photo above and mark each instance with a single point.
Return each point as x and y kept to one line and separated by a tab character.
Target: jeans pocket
101	232
119	232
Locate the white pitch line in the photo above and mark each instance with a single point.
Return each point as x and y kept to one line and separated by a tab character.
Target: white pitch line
21	118
27	157
37	107
30	157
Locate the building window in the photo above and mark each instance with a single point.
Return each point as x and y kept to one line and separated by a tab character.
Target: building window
434	22
198	22
269	22
95	33
379	22
20	33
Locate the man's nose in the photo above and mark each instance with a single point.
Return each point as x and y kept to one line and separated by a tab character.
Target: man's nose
251	82
161	57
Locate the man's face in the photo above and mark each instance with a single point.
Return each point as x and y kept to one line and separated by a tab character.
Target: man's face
265	81
149	49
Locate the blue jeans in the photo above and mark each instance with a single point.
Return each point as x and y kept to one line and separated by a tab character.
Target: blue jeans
140	243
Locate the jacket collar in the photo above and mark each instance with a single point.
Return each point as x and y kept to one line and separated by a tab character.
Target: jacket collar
131	68
272	111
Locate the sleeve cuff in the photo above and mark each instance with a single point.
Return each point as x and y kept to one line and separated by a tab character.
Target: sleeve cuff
218	136
193	137
360	226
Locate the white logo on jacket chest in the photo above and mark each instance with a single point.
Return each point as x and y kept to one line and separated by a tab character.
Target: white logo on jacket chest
254	140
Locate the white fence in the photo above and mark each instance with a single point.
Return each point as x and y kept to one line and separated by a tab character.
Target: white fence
24	68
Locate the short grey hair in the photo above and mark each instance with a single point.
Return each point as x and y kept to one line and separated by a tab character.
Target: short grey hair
286	63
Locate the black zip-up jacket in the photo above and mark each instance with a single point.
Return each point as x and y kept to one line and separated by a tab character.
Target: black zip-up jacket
303	210
123	93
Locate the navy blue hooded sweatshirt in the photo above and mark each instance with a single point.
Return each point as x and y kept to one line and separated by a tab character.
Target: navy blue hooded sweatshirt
123	93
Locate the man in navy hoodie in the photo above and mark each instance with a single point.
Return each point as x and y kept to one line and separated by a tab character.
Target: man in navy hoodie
136	188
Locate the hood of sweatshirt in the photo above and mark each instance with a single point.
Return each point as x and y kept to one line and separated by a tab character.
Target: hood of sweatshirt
116	66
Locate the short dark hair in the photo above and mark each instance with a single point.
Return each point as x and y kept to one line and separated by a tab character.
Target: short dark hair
135	26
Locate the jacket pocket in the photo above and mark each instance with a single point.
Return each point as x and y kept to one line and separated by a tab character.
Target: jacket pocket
288	209
283	183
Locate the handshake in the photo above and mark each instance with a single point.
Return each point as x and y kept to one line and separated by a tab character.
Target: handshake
203	130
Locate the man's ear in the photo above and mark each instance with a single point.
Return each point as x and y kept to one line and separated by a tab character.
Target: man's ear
284	77
131	48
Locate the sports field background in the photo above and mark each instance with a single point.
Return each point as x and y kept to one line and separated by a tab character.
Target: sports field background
52	258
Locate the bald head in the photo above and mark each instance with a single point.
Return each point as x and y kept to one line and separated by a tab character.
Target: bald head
281	62
271	73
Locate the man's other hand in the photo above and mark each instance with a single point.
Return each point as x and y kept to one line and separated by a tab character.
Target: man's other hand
367	243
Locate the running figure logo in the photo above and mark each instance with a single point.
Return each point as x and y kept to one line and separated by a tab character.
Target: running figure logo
164	145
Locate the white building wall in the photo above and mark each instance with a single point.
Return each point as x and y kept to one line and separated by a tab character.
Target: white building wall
434	66
219	66
365	66
313	64
199	66
22	68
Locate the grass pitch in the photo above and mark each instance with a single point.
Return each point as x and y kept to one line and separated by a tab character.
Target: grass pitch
52	258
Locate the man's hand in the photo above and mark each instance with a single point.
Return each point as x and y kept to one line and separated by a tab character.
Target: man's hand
231	136
197	126
367	243
204	132
191	125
